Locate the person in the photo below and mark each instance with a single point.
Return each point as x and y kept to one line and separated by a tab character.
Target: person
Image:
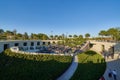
102	78
118	55
114	74
110	73
112	53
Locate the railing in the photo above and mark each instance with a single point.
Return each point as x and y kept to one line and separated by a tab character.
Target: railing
16	50
86	46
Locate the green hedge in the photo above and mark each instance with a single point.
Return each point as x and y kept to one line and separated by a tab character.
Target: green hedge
15	66
91	66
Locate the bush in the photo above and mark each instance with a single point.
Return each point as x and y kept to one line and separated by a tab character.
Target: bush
15	66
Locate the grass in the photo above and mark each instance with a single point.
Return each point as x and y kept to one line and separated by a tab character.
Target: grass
15	66
91	66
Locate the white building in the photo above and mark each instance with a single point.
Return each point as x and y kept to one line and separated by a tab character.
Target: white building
23	44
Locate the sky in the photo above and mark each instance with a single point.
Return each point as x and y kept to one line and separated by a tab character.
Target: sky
59	16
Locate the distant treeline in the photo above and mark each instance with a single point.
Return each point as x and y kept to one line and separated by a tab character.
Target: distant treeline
110	34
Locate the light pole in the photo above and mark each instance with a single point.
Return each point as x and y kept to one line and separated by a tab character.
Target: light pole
52	34
66	34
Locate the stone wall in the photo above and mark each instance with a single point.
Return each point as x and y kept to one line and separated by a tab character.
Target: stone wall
97	46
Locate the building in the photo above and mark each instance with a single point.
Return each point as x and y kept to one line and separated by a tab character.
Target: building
24	44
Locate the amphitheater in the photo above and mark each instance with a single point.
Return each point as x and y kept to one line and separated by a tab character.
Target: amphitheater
112	63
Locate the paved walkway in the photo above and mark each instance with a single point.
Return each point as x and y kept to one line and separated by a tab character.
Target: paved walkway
70	71
113	64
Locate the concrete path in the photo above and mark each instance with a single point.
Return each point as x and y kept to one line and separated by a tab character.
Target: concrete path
113	64
70	71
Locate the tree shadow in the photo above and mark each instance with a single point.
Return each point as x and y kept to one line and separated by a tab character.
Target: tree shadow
89	71
90	53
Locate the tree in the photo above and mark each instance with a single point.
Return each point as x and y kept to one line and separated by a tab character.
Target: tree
59	37
56	36
31	36
45	37
103	33
26	36
118	35
9	34
51	37
35	36
75	36
42	36
70	36
114	33
1	31
2	34
19	36
14	32
81	36
87	35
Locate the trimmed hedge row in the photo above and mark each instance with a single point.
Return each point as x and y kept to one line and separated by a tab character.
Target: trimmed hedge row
91	66
15	66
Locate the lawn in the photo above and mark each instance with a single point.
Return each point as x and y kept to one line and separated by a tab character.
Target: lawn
15	66
91	66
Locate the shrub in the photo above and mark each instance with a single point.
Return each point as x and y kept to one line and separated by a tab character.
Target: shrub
15	66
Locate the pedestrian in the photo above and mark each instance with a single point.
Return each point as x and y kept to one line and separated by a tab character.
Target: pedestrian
102	78
110	73
114	74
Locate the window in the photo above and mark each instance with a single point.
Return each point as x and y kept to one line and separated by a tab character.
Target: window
32	43
16	44
48	43
43	43
24	44
38	43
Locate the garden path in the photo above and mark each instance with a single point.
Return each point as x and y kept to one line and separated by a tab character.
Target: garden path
113	64
70	71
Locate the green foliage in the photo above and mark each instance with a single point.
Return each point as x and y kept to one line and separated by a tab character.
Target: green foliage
103	33
91	66
114	33
15	66
72	42
87	35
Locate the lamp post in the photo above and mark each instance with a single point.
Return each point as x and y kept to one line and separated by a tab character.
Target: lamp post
52	34
66	34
